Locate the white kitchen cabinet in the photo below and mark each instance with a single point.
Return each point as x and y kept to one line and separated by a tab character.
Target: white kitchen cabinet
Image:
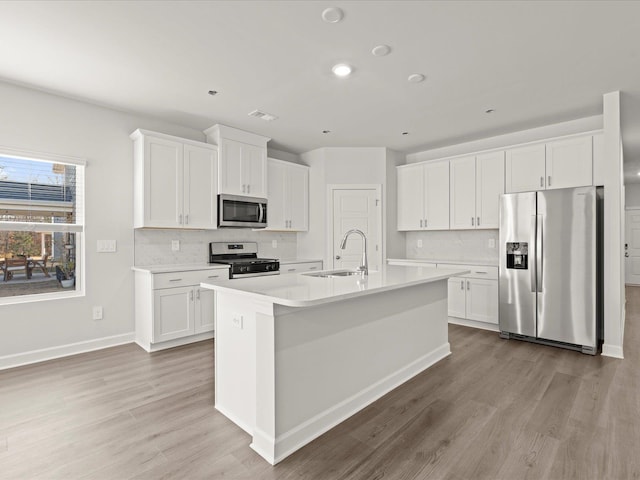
243	161
423	196
525	168
299	267
569	162
175	182
288	195
562	163
475	188
172	309
473	296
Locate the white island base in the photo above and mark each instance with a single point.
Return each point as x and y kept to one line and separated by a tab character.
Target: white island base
286	374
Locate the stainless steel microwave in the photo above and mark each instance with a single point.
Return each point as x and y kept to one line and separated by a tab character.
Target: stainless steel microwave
242	212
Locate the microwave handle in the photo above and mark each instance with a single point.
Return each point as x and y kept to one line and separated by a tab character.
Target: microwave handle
260	213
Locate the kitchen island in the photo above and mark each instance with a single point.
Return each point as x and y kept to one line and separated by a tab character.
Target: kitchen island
297	354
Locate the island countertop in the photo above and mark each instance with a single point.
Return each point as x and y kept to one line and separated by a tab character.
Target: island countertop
303	290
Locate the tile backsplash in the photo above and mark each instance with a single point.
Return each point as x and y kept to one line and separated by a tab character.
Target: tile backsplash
153	246
454	245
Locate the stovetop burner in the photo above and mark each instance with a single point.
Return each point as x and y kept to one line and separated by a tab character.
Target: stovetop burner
243	259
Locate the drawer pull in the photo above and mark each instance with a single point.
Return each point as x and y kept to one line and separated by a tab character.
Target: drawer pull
484	273
291	270
213	276
175	280
312	268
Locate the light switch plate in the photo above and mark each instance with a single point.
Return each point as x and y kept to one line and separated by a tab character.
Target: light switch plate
419	243
175	245
274	243
97	313
237	321
491	243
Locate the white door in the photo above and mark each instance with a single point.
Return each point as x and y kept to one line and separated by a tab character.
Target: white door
632	247
462	193
525	169
230	180
254	165
204	310
489	187
356	208
163	178
200	187
482	300
298	197
172	313
276	182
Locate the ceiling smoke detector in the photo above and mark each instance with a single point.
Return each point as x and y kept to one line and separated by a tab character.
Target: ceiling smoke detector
332	15
262	115
416	78
381	50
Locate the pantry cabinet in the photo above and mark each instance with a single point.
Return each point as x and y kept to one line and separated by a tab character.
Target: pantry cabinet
243	161
423	196
288	195
171	308
562	163
175	182
476	185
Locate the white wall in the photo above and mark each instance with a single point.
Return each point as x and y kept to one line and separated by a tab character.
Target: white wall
632	195
36	121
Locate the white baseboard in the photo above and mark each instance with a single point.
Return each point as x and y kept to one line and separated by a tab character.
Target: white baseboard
34	356
297	437
475	324
614	351
155	347
234	419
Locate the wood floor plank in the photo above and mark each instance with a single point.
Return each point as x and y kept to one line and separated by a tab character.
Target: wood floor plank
494	409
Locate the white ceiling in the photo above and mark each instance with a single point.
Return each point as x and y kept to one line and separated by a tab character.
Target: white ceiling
534	62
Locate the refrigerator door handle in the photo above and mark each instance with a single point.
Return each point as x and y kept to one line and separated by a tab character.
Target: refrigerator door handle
532	265
539	265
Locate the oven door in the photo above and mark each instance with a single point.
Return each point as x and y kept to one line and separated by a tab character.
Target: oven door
238	211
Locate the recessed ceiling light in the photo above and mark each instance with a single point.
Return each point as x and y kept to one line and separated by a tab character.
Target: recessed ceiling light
639	173
416	78
212	92
341	70
405	133
332	15
381	50
329	131
489	110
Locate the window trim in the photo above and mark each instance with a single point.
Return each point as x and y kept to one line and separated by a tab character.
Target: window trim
79	228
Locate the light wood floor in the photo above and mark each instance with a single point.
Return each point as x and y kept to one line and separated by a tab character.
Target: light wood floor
495	409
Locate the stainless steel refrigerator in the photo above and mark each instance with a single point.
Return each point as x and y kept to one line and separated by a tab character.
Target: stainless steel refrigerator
551	267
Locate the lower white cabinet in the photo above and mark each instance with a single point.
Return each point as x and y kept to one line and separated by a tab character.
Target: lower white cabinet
299	267
172	309
474	296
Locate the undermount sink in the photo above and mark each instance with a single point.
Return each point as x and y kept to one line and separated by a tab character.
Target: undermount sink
334	273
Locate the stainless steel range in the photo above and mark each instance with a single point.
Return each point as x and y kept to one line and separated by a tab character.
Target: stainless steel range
243	259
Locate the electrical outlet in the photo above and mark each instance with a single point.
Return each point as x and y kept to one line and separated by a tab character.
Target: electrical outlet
97	313
274	243
175	245
237	321
491	243
419	243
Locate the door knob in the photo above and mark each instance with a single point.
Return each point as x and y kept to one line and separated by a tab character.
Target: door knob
337	257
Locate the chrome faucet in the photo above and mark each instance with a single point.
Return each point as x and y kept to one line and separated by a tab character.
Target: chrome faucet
364	268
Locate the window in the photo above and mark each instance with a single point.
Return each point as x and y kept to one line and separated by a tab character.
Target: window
41	226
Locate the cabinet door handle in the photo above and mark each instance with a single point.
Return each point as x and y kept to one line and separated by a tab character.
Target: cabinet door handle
461	284
243	188
468	285
542	181
186	219
175	279
420	223
180	219
248	188
198	294
425	223
191	295
549	178
472	222
477	221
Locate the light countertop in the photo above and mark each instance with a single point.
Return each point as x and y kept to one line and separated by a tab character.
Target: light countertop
188	267
417	261
288	261
301	290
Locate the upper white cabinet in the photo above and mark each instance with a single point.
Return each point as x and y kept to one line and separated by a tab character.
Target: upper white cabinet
288	195
560	163
423	196
243	161
175	182
475	188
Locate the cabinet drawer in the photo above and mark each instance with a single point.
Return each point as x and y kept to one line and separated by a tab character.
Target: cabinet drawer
300	267
489	273
182	279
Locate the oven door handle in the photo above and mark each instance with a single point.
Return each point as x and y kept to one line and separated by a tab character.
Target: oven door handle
260	213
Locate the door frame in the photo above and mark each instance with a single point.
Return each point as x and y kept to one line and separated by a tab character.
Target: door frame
626	240
330	251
